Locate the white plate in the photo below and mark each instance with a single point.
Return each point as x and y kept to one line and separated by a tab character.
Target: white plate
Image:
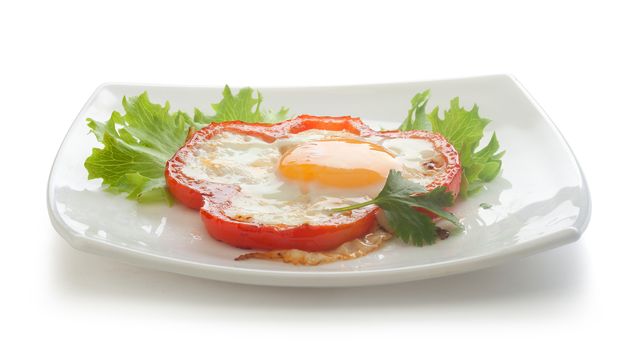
540	201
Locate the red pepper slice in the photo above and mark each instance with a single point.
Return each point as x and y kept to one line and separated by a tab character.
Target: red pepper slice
213	198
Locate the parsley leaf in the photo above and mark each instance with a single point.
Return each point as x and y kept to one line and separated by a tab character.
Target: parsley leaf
410	225
399	199
137	144
464	129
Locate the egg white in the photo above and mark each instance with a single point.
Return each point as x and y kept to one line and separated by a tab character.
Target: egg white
267	198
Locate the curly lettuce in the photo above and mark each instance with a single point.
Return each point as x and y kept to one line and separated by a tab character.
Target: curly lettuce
464	129
137	144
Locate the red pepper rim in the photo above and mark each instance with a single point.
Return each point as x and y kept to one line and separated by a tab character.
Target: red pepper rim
212	198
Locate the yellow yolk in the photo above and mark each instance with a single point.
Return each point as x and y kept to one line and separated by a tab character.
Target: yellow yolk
344	163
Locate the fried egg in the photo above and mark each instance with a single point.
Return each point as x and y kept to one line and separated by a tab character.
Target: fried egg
296	179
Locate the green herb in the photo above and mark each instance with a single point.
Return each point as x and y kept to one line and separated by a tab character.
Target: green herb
416	118
399	199
243	106
137	144
485	205
464	129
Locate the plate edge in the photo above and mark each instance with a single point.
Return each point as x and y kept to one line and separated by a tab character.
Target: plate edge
583	220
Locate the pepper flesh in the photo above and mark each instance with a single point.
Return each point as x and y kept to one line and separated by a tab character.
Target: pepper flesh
212	198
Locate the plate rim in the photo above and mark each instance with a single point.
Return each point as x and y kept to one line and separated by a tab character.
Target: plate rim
302	278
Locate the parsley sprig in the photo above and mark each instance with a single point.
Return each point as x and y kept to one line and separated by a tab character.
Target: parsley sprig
400	198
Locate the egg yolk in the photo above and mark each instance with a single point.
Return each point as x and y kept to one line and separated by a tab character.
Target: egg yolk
344	163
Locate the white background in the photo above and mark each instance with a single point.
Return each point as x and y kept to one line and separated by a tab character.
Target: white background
572	56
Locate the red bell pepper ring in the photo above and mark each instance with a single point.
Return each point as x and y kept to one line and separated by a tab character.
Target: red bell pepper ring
212	198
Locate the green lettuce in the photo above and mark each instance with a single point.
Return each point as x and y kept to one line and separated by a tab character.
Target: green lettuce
243	106
137	144
464	129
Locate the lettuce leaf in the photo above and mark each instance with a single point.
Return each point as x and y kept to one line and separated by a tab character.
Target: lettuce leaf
464	129
243	106
137	144
416	118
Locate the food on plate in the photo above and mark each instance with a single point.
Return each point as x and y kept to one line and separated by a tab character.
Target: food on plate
306	190
272	186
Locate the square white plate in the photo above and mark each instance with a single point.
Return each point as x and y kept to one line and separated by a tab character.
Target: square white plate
540	200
